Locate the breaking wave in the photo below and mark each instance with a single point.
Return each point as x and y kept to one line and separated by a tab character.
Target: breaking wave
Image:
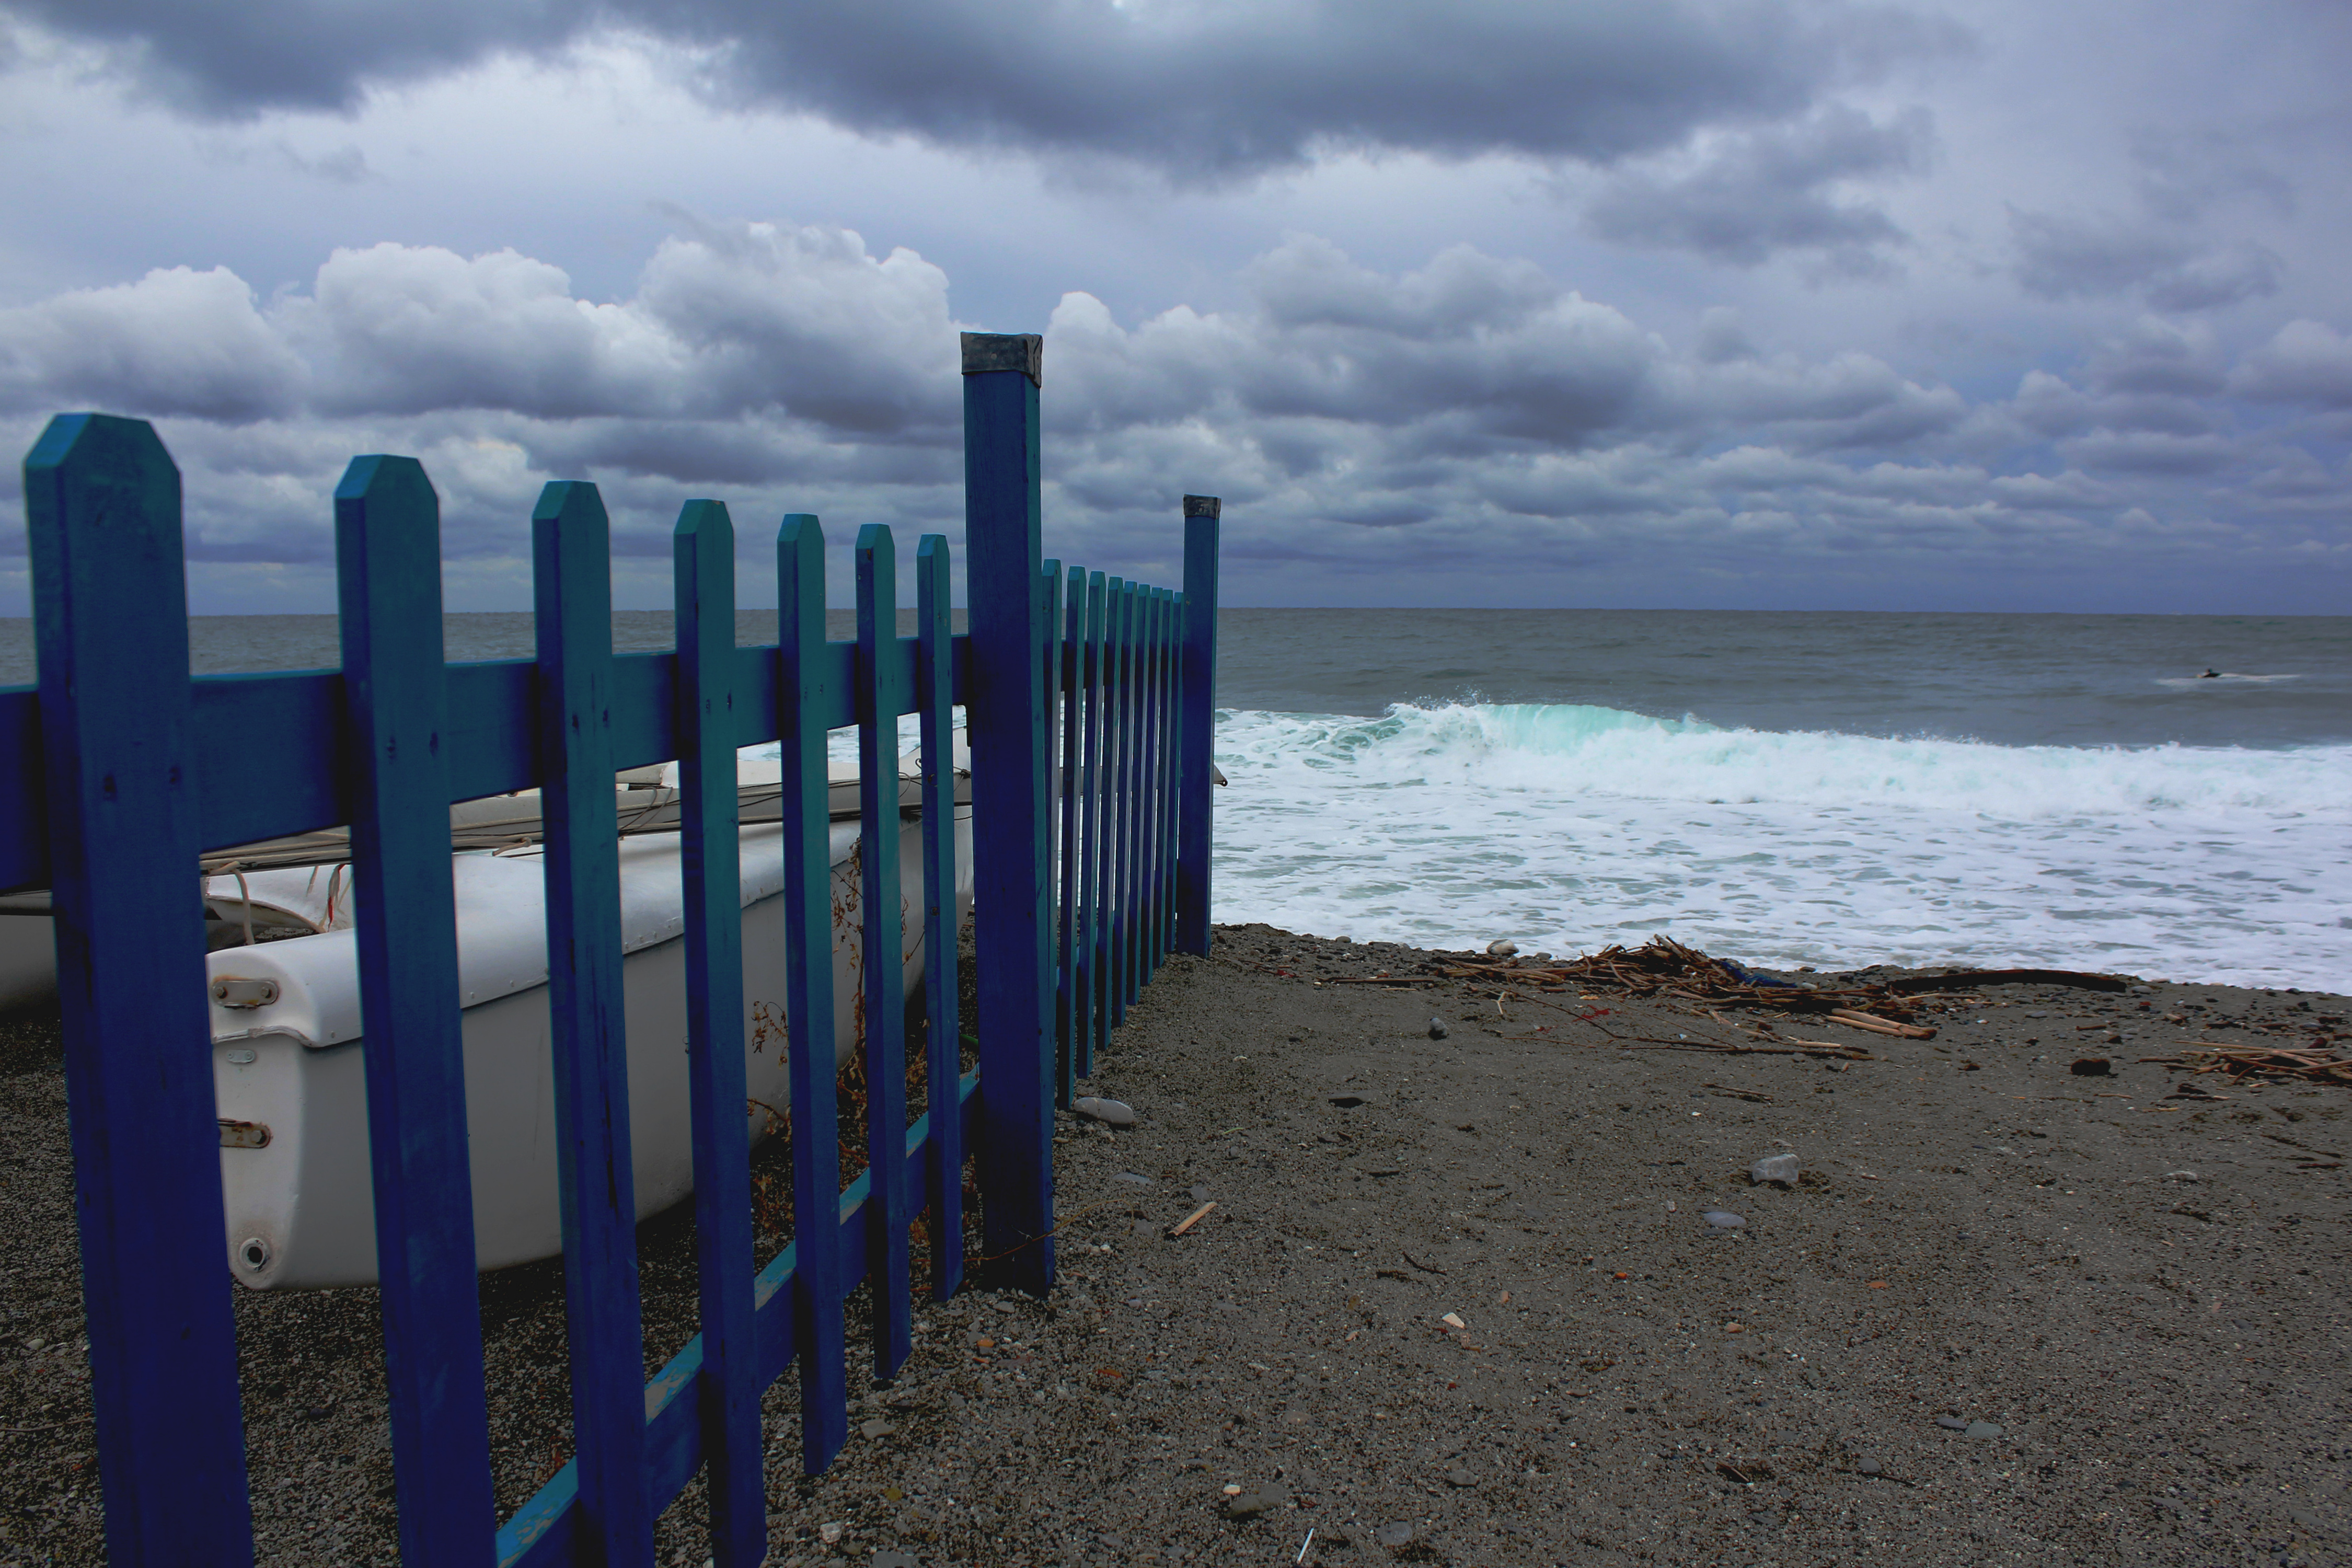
1568	826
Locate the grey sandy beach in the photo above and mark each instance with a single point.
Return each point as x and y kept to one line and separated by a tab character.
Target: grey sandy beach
1456	1301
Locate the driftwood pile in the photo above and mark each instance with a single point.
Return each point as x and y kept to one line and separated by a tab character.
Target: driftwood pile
2314	1064
1665	970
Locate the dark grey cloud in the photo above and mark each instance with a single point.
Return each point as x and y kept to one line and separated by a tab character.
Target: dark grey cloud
1378	422
232	58
2305	362
2158	356
1782	187
1198	89
2151	452
2061	257
2182	173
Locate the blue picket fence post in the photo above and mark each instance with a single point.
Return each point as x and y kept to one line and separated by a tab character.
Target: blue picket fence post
943	1063
710	866
118	737
1127	790
388	559
805	698
1011	756
573	603
1197	743
1110	940
1079	694
1162	795
1069	810
881	698
1087	981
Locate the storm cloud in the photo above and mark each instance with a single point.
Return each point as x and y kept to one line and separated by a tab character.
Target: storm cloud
1771	302
1199	89
1367	420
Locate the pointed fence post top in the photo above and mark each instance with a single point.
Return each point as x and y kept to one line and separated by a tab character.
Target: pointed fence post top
102	497
1203	506
383	477
987	351
101	438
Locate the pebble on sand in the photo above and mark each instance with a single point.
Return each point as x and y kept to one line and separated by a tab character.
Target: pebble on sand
1502	947
1722	1219
1109	1113
1781	1168
1437	1029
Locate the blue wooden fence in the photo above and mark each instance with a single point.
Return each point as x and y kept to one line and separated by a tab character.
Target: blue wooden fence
1088	704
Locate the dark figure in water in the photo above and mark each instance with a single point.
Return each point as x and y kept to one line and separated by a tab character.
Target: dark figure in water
2210	675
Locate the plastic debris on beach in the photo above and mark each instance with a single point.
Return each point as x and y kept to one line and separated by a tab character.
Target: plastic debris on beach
1781	1168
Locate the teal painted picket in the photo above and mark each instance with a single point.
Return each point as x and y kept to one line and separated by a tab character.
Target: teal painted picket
1089	705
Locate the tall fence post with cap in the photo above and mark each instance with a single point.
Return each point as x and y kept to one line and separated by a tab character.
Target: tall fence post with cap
111	619
1197	723
388	560
1011	855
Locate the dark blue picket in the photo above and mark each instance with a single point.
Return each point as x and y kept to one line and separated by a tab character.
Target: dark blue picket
388	568
806	699
935	694
1155	796
1140	810
1071	709
1114	764
102	504
710	863
1196	747
1139	895
1128	786
1049	626
1170	765
1011	850
1090	878
881	698
571	589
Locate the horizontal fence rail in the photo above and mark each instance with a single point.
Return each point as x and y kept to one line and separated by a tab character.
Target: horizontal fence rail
1087	702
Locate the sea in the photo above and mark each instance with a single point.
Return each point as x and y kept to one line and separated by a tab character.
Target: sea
2165	795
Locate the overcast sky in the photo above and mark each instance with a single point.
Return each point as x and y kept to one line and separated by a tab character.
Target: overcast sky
1739	303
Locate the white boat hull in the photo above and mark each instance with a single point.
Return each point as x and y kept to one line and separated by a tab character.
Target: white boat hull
300	1205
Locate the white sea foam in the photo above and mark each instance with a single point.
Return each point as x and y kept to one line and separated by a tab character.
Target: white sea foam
1570	827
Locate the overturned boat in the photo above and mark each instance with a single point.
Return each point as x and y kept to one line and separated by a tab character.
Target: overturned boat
289	1077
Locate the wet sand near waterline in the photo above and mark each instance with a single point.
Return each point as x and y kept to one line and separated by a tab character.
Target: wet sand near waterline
2143	1294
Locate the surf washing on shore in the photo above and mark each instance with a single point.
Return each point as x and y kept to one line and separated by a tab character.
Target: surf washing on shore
1783	788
